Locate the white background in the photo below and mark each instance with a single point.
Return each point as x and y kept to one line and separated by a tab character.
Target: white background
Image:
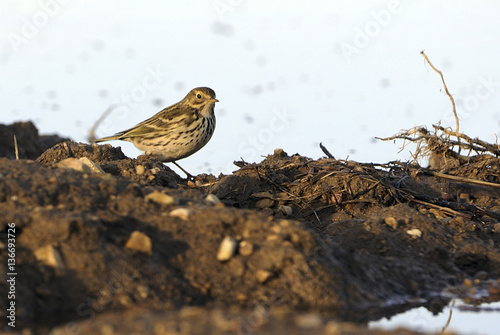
288	74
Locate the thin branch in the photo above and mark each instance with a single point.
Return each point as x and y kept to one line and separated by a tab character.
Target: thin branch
16	150
445	89
100	120
462	179
325	150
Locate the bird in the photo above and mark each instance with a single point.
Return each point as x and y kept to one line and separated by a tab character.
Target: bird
175	132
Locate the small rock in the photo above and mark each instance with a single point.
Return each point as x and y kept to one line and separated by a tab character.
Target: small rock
447	196
236	267
139	169
280	152
390	221
160	198
182	213
264	203
496	228
245	248
51	257
275	229
333	328
83	165
227	249
143	291
213	199
463	197
414	232
263	275
141	242
285	223
89	163
482	275
309	321
287	210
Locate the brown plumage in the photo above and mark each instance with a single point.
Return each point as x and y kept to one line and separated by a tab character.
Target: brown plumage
177	131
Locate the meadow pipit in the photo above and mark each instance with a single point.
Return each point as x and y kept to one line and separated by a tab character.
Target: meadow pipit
177	131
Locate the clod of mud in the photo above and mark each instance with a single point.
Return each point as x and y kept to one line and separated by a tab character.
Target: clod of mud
310	243
29	143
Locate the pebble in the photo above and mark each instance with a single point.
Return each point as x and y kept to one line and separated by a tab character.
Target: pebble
83	164
463	197
245	248
160	198
227	249
264	203
50	256
392	222
141	242
139	169
287	210
263	275
414	232
285	223
213	199
496	228
280	152
181	213
309	321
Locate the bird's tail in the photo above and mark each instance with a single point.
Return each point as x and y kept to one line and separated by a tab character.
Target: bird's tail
109	138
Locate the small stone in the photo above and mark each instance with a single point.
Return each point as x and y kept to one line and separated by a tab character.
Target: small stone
50	256
227	249
333	328
160	198
287	210
143	291
463	197
309	321
482	275
139	169
285	223
245	248
90	164
83	165
236	267
392	222
263	275
496	228
141	242
181	213
275	229
213	199
280	152
414	232
447	196
264	203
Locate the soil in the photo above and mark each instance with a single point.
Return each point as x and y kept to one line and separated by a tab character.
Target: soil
116	245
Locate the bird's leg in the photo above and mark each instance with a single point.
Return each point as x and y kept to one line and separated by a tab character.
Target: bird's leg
189	175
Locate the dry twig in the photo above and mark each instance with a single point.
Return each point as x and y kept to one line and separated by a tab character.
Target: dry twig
16	149
445	89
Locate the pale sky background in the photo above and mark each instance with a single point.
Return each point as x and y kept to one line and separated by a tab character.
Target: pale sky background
288	74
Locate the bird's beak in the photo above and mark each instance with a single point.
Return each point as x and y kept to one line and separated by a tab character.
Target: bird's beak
213	100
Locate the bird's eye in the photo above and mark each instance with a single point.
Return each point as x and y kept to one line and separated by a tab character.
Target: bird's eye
198	96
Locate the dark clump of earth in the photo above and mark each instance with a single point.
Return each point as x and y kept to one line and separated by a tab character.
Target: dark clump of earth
113	245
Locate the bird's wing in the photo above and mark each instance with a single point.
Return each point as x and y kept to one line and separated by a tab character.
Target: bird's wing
165	121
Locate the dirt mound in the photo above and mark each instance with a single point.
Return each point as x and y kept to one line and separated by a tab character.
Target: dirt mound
303	244
30	144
